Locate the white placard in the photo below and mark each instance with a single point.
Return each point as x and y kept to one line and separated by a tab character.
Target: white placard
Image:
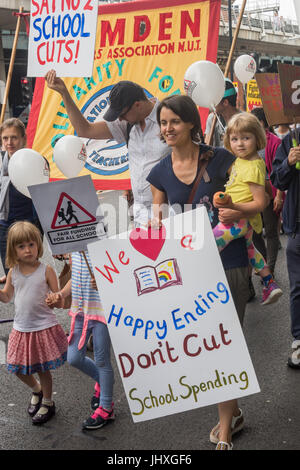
171	318
62	37
69	212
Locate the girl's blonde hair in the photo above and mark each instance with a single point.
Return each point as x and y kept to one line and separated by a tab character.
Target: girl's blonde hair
18	233
245	122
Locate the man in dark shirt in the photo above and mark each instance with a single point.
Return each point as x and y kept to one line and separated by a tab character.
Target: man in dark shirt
14	205
286	177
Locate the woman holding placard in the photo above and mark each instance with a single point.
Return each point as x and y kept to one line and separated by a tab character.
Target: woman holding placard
173	180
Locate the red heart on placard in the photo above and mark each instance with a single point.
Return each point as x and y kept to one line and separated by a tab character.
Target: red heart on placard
148	242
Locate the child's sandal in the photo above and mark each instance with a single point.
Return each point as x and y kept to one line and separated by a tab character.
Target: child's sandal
43	418
32	409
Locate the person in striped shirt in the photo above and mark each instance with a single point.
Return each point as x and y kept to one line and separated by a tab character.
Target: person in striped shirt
88	319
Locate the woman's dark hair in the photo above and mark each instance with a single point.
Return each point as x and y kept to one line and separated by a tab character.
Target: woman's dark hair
187	110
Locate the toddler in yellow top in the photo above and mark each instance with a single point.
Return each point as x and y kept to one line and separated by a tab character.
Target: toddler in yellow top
244	136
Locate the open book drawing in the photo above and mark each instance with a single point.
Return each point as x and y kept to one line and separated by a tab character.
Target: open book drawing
165	274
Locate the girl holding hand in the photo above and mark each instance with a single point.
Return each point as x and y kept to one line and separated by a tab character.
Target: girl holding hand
37	343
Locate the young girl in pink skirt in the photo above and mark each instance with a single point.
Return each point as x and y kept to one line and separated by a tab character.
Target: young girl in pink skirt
37	343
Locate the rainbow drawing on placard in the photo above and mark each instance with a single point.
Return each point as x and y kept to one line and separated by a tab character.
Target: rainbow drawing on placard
165	274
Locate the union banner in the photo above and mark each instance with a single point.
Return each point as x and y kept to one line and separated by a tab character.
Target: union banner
149	42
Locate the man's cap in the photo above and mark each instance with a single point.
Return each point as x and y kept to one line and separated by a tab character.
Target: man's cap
123	95
229	88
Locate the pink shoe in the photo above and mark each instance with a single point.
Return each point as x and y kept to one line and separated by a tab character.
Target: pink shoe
98	419
271	293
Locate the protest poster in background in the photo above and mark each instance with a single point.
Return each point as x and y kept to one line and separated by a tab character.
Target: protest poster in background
270	93
62	37
69	213
148	42
289	76
172	322
253	96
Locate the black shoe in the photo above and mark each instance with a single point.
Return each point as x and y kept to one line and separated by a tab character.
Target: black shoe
95	402
43	418
252	293
32	409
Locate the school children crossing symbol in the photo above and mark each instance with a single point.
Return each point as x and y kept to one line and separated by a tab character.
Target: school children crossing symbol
72	223
70	213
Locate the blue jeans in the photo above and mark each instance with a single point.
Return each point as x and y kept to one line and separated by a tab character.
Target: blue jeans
100	368
293	265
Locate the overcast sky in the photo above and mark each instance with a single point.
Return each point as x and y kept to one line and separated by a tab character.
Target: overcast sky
287	9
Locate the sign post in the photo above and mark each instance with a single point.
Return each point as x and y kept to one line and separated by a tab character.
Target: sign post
11	65
228	64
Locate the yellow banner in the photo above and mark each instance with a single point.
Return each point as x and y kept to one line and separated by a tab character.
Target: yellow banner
149	42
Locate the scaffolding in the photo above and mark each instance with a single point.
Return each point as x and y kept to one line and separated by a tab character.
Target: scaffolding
261	15
262	5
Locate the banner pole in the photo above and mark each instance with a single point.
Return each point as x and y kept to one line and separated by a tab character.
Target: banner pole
11	65
227	68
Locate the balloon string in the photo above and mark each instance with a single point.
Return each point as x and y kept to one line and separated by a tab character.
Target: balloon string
219	120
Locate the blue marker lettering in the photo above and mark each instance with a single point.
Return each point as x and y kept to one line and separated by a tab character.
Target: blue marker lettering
48	18
177	320
138	324
112	314
65	29
149	326
56	26
36	26
163	328
222	289
128	320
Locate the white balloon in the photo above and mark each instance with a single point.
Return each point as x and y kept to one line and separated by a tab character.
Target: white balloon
27	167
70	155
245	68
204	82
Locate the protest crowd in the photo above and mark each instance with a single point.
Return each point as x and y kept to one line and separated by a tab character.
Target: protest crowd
237	166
